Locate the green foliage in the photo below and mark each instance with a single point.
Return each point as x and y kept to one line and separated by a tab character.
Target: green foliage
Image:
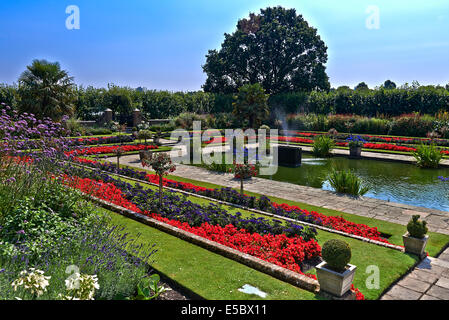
427	156
185	120
416	228
150	289
336	253
251	104
322	146
347	182
75	127
46	91
276	47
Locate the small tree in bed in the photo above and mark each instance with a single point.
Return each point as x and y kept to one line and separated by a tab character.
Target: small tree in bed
243	171
161	163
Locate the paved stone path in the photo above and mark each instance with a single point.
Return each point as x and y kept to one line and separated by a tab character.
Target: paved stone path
428	281
438	221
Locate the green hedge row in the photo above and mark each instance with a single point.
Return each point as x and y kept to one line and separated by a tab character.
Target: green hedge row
164	104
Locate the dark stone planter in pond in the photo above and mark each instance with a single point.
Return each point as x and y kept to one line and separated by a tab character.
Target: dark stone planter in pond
289	156
355	152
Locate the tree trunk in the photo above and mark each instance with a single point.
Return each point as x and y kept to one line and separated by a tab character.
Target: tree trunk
160	191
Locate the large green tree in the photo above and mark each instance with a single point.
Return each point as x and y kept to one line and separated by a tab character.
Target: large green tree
251	103
46	90
276	48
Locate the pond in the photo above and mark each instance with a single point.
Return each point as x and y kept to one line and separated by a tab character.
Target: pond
391	181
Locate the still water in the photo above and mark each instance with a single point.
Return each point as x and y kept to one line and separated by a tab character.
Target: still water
394	181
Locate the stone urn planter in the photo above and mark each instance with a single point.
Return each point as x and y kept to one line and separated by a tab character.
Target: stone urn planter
415	240
333	282
355	152
415	245
335	274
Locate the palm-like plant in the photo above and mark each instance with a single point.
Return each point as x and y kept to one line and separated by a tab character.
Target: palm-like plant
251	103
46	90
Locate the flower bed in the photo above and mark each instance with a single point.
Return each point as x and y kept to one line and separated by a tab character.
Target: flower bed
101	140
214	140
282	250
110	149
374	146
263	203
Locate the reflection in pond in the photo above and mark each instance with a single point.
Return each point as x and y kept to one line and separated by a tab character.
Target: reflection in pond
393	181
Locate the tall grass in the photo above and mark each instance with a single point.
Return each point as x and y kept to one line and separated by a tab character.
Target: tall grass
347	182
427	156
322	146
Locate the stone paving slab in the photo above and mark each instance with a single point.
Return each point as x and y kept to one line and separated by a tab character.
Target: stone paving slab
428	281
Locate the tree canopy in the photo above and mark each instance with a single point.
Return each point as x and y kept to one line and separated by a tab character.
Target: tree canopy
276	48
46	90
388	84
361	86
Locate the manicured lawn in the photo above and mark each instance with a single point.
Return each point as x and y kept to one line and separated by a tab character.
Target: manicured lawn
208	274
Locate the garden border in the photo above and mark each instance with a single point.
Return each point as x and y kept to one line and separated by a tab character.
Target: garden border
271	269
375	242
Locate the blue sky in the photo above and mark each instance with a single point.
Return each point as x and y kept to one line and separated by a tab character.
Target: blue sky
162	44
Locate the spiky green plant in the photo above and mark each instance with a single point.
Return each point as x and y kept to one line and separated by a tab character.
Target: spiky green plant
322	146
427	156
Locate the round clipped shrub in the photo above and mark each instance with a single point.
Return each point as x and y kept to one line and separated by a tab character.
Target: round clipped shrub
416	228
337	254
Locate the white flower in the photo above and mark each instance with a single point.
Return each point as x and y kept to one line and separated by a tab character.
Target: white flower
82	286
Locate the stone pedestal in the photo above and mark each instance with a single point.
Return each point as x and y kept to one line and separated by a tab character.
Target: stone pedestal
335	283
107	117
289	156
137	117
415	245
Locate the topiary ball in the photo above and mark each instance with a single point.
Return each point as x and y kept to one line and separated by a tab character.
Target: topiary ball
336	253
416	228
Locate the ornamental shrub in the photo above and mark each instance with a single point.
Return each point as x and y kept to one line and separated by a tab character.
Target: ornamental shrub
416	228
337	254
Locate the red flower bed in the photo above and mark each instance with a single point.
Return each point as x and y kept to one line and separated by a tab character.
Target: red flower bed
333	222
106	191
293	139
386	146
216	140
278	249
281	250
287	252
339	223
110	149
